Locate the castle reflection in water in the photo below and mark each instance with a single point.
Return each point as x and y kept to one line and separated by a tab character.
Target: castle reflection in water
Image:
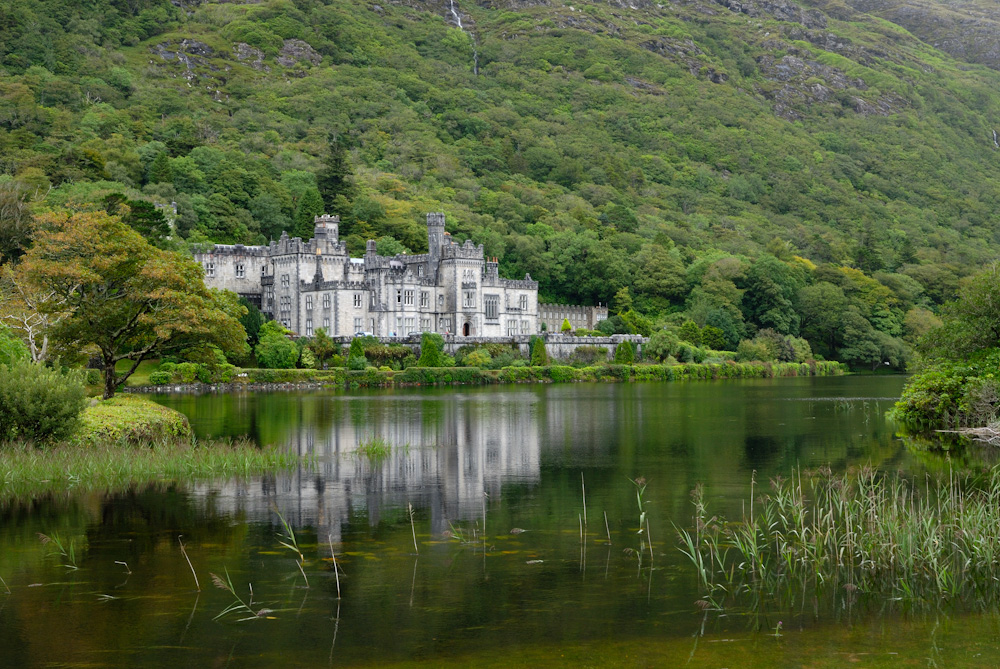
447	452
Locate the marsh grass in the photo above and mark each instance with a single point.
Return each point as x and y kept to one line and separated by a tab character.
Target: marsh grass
377	449
239	605
862	533
26	471
289	541
65	552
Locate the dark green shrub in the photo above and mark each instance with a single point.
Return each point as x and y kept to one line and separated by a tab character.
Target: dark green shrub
39	404
186	372
625	353
539	356
276	351
160	378
431	350
93	377
12	349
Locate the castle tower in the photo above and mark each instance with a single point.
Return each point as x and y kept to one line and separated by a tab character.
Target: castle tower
327	228
435	240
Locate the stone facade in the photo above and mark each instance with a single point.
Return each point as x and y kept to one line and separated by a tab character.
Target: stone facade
307	285
579	317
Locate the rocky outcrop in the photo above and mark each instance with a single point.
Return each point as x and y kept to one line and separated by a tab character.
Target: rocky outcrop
251	56
190	53
782	10
297	51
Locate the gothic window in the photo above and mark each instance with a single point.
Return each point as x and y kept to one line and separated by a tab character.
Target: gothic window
326	300
399	325
284	280
358	324
524	327
511	327
357	300
408	298
241	271
523	302
399	297
326	325
492	303
425	299
469	299
409	325
425	324
373	300
309	302
309	327
210	269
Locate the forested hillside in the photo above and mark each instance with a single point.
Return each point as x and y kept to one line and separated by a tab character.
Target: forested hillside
814	170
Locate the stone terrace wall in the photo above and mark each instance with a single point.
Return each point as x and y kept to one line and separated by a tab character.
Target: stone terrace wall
558	346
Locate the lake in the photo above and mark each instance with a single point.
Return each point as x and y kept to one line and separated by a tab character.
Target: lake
510	567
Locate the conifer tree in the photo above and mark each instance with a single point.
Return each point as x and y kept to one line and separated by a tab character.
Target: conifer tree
335	178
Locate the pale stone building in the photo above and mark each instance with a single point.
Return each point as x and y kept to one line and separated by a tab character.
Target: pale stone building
307	285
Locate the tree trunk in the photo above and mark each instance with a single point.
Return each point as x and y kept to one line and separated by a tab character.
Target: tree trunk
109	378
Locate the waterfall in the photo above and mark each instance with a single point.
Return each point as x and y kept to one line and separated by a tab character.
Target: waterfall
455	15
995	143
458	24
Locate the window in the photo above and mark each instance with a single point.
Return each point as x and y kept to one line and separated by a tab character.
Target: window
399	297
263	270
358	324
425	299
241	271
492	303
284	280
326	325
425	324
440	300
469	299
326	300
373	301
511	327
409	325
420	270
309	327
372	328
524	327
445	325
408	298
399	325
523	302
210	269
357	300
309	302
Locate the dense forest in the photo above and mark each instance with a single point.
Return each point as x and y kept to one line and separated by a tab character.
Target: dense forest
814	171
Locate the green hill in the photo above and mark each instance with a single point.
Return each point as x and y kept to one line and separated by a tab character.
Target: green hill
677	149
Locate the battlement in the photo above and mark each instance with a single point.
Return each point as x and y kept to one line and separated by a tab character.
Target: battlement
233	250
527	283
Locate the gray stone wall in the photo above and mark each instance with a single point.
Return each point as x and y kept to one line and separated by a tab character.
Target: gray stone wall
579	316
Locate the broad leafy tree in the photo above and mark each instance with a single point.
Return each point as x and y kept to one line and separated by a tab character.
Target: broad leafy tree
124	297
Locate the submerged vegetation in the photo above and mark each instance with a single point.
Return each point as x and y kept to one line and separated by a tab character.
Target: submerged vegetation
858	534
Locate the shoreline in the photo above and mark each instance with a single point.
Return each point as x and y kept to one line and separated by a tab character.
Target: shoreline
307	379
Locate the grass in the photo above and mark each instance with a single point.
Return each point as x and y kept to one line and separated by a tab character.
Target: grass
860	533
26	471
130	420
376	449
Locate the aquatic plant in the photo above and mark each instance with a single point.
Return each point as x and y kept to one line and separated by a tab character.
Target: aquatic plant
375	449
191	566
67	552
240	605
861	532
30	472
289	541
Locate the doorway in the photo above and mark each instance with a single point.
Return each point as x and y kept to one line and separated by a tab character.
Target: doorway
465	330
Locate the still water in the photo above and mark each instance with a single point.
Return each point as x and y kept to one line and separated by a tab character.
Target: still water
510	568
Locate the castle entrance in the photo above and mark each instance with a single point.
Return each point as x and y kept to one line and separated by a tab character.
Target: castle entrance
465	330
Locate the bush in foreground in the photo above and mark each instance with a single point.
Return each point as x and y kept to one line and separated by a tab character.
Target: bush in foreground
131	420
38	404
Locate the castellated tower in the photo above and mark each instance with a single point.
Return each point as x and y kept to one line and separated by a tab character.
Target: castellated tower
327	228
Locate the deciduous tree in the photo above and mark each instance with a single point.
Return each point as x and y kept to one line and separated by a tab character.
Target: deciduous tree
128	299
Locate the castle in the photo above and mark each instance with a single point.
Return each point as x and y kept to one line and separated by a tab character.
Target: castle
451	289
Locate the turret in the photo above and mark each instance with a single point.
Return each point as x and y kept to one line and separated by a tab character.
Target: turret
435	240
327	228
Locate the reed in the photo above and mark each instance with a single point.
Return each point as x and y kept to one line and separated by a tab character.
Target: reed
66	553
336	569
375	449
887	536
413	529
191	566
30	472
289	541
240	605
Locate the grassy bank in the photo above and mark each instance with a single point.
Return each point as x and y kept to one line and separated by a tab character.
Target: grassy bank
128	441
415	376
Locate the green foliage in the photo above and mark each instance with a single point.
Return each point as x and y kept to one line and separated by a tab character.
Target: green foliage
12	349
38	404
566	327
323	347
252	321
431	350
478	358
625	353
131	421
275	350
690	332
539	356
662	344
